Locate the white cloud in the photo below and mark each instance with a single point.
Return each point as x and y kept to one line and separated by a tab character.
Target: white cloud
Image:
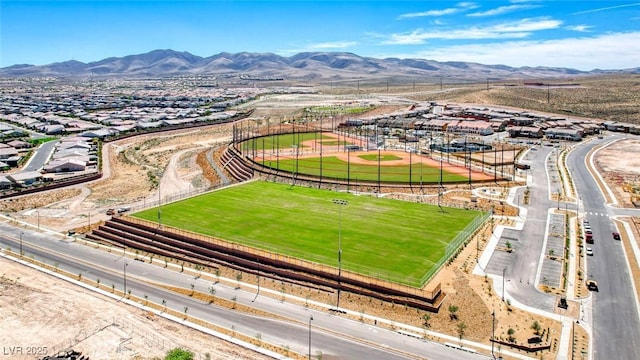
581	28
511	30
526	25
604	9
323	46
502	10
608	51
463	6
331	45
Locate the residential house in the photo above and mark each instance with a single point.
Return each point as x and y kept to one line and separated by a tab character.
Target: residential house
65	165
25	178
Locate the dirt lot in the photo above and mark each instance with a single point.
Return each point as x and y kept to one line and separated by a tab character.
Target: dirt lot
35	315
620	170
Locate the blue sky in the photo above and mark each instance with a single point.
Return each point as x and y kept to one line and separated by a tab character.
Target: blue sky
576	34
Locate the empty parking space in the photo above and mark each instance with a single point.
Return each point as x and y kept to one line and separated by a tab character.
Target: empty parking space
553	261
502	259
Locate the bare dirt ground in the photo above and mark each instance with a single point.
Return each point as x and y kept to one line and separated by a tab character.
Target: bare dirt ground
621	170
31	301
35	315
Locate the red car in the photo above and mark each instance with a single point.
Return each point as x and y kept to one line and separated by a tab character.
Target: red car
616	236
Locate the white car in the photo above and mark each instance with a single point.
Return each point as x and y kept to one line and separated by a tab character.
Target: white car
589	252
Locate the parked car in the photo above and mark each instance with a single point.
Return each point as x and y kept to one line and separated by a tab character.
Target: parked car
123	210
592	285
589	238
616	236
111	211
589	252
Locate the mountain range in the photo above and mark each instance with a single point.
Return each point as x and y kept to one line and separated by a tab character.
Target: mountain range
316	66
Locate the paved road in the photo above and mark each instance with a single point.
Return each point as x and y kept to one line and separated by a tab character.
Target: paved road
521	266
331	335
616	321
40	156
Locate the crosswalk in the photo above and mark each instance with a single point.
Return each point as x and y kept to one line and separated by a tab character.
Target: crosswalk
589	213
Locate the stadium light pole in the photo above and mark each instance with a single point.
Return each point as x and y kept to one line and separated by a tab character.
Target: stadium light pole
340	204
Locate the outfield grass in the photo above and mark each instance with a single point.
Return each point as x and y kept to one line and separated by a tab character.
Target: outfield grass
389	239
332	167
285	141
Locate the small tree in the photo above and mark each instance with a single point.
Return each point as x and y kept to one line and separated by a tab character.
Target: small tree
239	279
178	354
511	332
198	267
426	318
217	276
461	327
193	287
453	309
212	291
536	327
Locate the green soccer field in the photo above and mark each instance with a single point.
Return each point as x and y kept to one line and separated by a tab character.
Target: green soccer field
389	239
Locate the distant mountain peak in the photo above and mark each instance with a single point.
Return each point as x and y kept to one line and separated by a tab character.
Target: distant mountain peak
304	65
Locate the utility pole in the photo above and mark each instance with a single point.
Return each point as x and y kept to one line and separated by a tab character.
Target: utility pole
548	94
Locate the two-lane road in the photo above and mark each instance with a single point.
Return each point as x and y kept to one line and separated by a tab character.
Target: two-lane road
616	322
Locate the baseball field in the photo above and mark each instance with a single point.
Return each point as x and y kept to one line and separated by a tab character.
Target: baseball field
390	239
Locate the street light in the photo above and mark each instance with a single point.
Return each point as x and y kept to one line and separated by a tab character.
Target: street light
340	204
124	268
21	252
503	271
493	332
310	318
